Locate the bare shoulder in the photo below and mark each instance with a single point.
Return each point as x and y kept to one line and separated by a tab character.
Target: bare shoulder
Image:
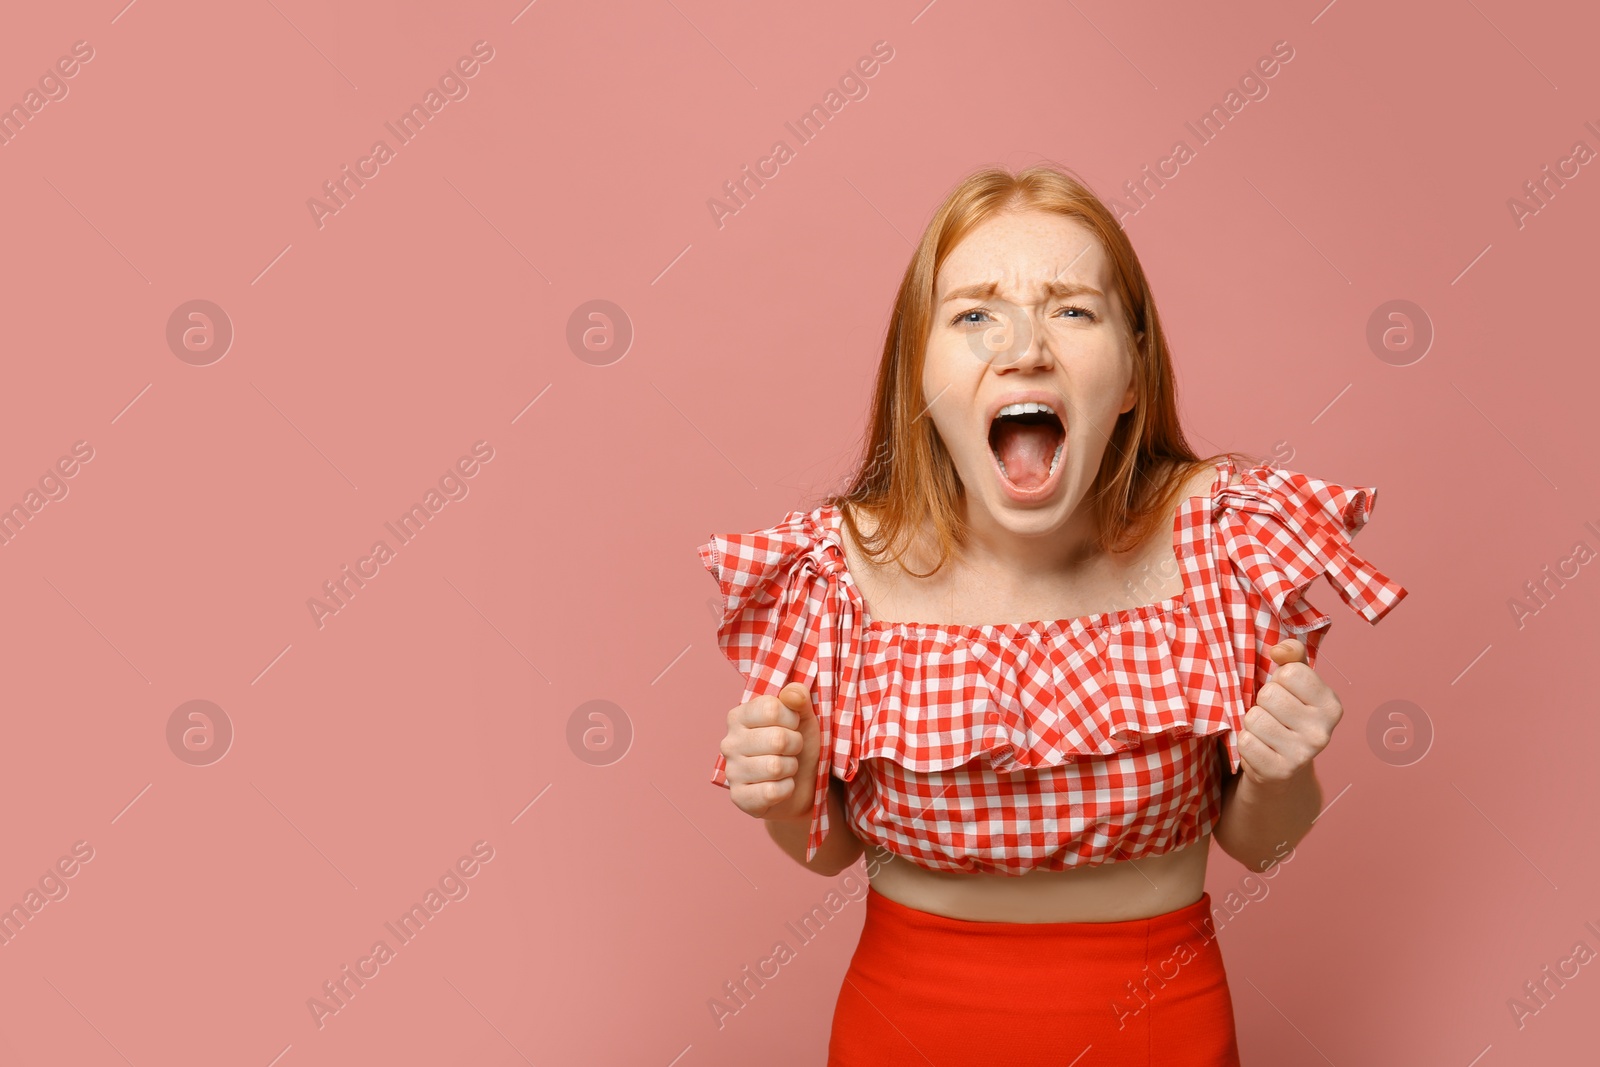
1158	548
866	574
1200	482
908	587
1196	483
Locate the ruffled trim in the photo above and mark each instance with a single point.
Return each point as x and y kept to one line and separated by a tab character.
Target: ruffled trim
1032	695
1279	531
1283	530
1022	697
786	617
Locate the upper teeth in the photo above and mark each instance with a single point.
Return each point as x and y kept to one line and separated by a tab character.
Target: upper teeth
1025	409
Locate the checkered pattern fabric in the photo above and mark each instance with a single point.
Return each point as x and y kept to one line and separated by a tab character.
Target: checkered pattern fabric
1011	747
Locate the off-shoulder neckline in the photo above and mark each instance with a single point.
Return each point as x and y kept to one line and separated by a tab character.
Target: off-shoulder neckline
832	516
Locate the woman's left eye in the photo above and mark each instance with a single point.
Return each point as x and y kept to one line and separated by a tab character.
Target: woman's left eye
964	318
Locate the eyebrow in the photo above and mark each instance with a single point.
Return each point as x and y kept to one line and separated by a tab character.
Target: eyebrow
984	290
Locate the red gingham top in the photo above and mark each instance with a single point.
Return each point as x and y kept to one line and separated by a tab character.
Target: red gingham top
1008	747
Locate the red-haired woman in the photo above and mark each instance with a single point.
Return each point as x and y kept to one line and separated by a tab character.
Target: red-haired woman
1037	797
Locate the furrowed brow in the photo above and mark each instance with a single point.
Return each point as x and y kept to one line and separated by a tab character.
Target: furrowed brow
1061	289
1053	290
971	292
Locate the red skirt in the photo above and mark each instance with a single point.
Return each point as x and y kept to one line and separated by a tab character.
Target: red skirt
925	989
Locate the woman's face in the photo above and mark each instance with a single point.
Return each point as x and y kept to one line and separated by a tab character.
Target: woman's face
1024	313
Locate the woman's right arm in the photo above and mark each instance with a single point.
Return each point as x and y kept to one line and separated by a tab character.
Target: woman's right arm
770	755
839	849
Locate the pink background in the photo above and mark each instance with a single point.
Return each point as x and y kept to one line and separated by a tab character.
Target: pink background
429	713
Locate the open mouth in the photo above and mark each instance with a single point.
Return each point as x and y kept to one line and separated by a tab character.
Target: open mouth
1027	441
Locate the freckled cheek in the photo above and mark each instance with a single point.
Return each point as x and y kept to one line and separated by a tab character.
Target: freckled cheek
950	382
1097	390
949	360
959	440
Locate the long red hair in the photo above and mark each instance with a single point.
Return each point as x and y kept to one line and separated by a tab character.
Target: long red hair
905	477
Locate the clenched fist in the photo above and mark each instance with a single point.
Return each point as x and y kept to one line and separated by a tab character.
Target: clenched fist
771	755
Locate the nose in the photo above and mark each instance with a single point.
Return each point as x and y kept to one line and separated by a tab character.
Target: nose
1020	345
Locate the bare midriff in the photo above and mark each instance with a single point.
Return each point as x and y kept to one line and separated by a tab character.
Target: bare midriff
1105	892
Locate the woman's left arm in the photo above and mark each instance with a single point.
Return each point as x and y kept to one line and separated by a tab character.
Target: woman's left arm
1275	797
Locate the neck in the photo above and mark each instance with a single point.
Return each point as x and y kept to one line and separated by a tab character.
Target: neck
1062	550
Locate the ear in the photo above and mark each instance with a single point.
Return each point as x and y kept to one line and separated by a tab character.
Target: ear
1132	395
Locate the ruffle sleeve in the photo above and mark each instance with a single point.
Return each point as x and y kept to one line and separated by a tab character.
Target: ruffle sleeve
1276	532
786	618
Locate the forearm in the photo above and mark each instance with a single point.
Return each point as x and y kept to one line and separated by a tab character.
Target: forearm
838	850
1259	821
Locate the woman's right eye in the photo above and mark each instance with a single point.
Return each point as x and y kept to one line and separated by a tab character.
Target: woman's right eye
962	318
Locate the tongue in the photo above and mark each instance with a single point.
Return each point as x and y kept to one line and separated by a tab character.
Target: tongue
1026	451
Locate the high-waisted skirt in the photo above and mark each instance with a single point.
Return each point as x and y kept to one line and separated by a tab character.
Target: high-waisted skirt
923	989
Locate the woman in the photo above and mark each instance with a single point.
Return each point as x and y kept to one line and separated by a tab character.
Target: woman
1038	797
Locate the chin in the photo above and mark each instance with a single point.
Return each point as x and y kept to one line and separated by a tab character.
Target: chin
1041	513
